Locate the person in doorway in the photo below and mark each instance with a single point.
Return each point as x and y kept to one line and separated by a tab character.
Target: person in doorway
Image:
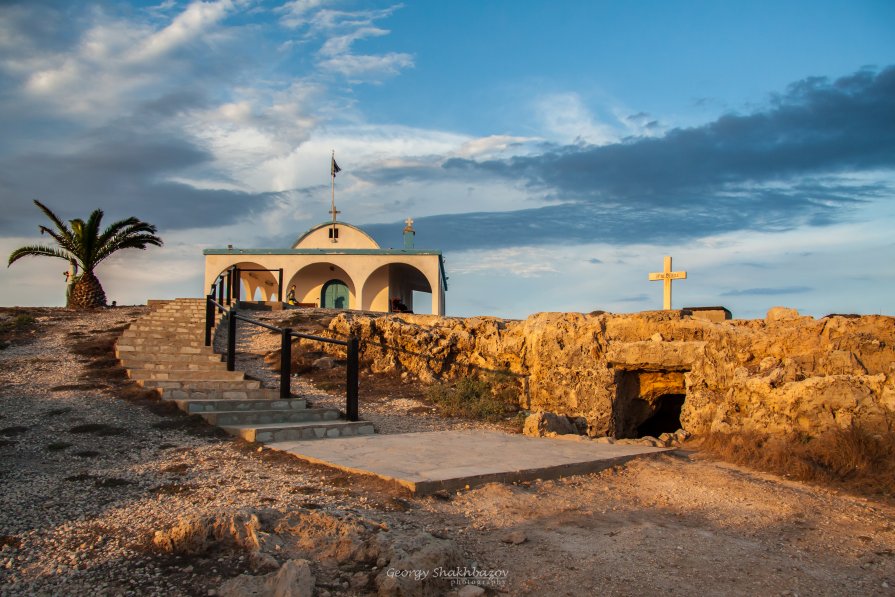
398	306
290	296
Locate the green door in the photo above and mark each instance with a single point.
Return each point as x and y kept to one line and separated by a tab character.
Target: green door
334	295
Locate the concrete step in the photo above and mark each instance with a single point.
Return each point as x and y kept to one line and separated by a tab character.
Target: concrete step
150	365
173	335
157	338
275	432
270	417
192	393
167	325
185	375
266	405
141	360
173	384
166	348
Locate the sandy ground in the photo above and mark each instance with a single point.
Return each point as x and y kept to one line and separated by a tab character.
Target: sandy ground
76	519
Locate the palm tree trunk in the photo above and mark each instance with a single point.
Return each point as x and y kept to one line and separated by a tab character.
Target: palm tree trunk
87	292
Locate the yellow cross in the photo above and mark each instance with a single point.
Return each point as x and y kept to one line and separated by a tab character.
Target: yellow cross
667	276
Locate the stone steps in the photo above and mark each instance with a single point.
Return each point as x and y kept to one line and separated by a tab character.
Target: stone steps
189	393
138	365
275	432
165	351
204	385
186	375
269	404
224	418
168	348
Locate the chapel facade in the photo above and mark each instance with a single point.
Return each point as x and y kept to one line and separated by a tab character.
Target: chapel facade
338	266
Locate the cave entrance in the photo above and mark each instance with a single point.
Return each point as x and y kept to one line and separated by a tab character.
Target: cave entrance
648	403
665	418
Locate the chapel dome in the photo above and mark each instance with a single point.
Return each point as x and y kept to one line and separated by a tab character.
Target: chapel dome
346	237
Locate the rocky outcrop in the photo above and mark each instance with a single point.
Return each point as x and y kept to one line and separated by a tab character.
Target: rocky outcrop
290	546
783	373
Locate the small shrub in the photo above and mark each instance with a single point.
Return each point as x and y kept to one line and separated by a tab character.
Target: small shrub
23	320
471	398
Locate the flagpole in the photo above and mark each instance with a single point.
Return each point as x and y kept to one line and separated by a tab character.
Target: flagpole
332	172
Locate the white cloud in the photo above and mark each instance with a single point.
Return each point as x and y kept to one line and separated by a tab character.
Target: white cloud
359	68
566	119
524	262
295	12
186	27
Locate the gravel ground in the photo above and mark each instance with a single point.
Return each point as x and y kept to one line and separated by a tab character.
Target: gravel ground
89	472
78	508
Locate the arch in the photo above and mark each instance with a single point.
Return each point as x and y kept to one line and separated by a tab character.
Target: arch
391	281
350	237
250	281
309	281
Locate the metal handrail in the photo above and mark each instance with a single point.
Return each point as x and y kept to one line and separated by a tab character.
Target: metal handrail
286	335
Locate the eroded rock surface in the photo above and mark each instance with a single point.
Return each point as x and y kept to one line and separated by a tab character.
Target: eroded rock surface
621	372
291	545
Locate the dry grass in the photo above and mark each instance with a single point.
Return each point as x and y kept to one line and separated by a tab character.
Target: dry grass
857	458
481	399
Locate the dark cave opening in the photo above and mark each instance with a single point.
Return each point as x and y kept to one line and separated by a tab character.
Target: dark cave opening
665	418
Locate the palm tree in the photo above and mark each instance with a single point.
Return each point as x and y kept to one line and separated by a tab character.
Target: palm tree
83	246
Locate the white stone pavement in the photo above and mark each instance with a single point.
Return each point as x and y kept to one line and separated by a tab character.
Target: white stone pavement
430	461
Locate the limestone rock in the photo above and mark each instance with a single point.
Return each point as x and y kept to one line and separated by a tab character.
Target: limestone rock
781	314
470	591
324	363
540	424
514	538
409	558
196	536
777	374
293	579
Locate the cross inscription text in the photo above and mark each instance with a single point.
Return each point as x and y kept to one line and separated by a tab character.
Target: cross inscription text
667	276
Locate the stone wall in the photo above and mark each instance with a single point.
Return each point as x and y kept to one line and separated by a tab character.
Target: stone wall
777	374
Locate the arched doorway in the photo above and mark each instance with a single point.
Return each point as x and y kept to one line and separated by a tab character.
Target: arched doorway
334	295
394	281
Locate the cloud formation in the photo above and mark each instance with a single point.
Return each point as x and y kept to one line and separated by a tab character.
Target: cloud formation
811	155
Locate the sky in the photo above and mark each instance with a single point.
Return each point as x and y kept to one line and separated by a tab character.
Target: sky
553	151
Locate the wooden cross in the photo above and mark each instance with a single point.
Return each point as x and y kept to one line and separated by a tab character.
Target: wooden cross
667	276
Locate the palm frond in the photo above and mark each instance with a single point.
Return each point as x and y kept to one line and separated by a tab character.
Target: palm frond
91	236
137	236
37	251
53	217
115	228
63	240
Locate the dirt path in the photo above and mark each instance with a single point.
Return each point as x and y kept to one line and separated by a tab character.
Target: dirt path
76	519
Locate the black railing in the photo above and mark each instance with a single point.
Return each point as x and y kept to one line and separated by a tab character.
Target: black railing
286	335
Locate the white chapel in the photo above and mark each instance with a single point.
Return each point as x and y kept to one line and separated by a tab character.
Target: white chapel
338	266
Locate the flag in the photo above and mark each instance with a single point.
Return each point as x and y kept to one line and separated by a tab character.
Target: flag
334	168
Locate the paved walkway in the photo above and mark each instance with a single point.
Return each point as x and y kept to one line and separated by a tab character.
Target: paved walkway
427	462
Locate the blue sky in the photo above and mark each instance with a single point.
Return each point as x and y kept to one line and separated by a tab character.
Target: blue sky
553	151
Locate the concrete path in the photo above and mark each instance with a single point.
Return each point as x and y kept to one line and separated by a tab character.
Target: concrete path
427	462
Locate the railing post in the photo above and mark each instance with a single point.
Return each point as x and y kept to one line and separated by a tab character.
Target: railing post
286	364
209	317
229	285
220	293
351	408
236	285
231	340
